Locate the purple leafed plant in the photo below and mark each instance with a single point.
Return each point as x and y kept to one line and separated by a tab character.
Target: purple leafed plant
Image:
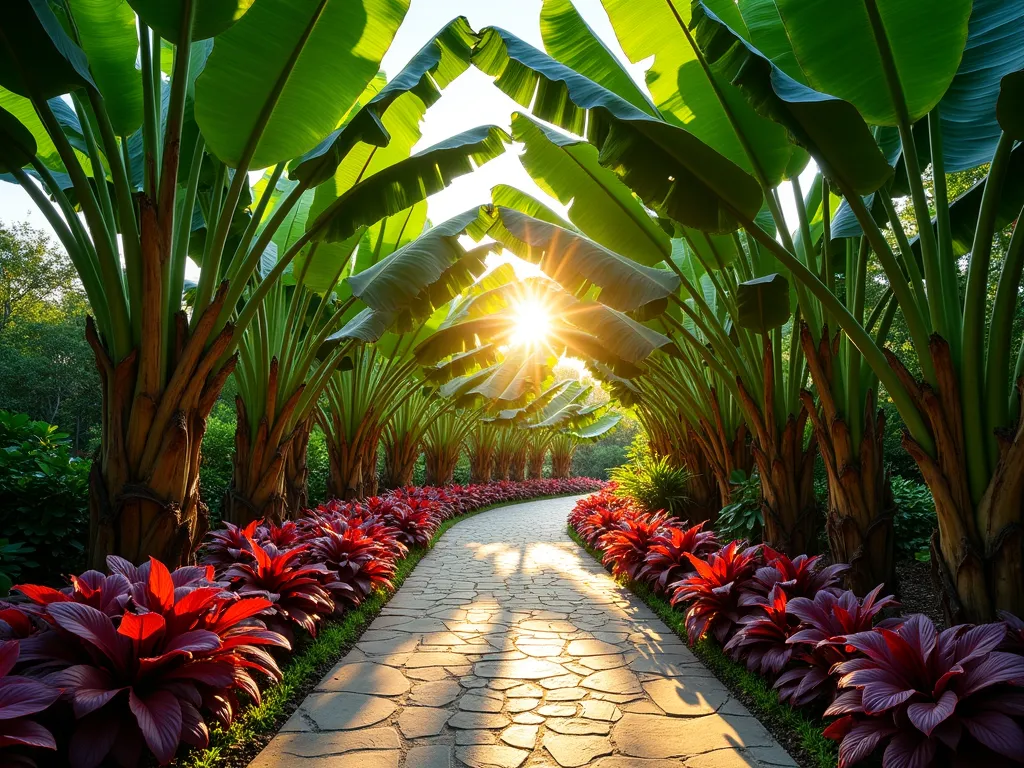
929	696
21	697
823	619
762	636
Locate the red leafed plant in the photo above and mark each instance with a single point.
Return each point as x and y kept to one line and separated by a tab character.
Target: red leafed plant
815	651
626	546
283	536
666	560
800	576
19	698
293	587
763	635
226	546
415	527
714	590
1014	633
931	696
145	679
356	563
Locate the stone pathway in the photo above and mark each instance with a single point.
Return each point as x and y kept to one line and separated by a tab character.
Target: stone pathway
509	646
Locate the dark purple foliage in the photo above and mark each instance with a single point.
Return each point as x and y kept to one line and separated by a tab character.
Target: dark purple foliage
929	695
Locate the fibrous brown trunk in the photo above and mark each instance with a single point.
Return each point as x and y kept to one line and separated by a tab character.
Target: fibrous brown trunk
296	470
859	518
704	500
481	465
561	464
144	484
441	465
502	467
258	480
724	453
978	550
400	461
535	463
785	468
370	479
517	467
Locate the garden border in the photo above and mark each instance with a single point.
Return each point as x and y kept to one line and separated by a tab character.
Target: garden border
242	741
782	720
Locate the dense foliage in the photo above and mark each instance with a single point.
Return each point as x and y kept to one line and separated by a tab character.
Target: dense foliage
927	697
138	661
43	501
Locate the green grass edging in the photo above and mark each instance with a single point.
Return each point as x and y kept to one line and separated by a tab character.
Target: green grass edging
757	693
333	641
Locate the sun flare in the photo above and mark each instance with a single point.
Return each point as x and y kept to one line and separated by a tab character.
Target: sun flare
532	324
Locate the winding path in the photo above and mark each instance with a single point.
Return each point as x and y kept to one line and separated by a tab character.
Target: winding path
509	646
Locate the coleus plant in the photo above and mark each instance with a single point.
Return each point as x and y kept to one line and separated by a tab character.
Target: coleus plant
714	592
21	697
291	586
928	695
762	639
822	619
143	680
666	560
799	576
626	547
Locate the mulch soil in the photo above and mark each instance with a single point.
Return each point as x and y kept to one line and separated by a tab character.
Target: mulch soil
918	593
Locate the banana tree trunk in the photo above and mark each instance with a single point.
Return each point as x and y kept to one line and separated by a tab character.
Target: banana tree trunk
481	465
369	474
561	464
535	464
785	468
859	516
144	484
502	465
704	499
517	467
257	479
978	550
296	470
400	461
441	466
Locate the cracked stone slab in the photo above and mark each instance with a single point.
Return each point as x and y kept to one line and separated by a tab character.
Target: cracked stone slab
339	712
657	736
430	756
287	747
574	751
491	756
365	677
417	722
687	699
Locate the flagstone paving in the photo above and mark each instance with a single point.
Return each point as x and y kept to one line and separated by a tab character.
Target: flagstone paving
509	646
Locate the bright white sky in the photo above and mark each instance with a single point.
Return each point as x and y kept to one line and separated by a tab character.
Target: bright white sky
468	102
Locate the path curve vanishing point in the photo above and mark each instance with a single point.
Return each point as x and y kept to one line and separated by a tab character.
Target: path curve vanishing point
509	646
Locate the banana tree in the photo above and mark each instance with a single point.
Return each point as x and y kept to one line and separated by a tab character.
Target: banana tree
405	433
443	443
145	167
825	96
961	416
288	355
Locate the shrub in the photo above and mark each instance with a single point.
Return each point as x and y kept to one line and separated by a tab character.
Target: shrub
714	590
215	467
822	619
143	681
742	518
799	576
293	588
626	547
652	481
763	636
666	560
914	518
43	500
929	695
19	698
